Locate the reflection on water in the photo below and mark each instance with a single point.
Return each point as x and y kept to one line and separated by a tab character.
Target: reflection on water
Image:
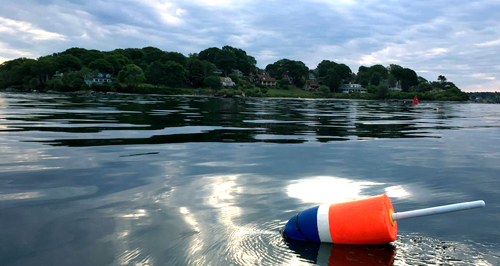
344	255
153	180
324	190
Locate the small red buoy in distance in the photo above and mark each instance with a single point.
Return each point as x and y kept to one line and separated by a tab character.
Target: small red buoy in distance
415	100
364	222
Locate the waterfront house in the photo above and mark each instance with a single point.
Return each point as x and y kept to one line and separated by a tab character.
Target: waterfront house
396	87
286	77
311	86
227	82
238	73
265	80
348	88
99	79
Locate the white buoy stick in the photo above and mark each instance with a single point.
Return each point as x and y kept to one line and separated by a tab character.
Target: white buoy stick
437	210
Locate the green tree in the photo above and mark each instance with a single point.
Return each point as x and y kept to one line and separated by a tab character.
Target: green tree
133	53
208	68
102	66
382	92
67	62
442	78
243	62
131	75
175	57
379	69
75	80
324	66
76	52
209	54
375	79
196	71
118	61
324	90
14	72
422	80
392	80
225	60
91	56
152	54
344	72
410	79
296	70
175	74
213	83
44	68
396	71
155	73
423	87
333	80
55	84
234	77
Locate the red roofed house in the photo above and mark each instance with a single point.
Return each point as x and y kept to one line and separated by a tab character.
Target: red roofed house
265	80
286	77
311	86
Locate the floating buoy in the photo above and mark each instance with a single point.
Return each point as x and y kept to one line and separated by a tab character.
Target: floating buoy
415	100
366	222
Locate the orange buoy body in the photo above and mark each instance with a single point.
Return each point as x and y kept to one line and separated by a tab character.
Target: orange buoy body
415	100
366	221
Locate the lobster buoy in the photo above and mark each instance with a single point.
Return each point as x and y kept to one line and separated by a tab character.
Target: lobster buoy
367	221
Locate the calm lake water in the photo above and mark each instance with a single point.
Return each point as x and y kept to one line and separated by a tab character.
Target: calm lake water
152	180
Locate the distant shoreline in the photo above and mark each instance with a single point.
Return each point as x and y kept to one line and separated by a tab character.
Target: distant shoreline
338	96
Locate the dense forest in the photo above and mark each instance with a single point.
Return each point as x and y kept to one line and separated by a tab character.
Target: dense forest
485	97
151	70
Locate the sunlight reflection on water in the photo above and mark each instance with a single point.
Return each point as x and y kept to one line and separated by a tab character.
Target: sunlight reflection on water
328	189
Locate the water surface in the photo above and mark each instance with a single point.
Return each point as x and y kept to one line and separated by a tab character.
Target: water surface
153	180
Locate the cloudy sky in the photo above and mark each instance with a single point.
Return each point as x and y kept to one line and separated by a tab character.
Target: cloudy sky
458	39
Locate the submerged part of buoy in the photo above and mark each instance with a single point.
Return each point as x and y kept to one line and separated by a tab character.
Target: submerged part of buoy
366	221
344	255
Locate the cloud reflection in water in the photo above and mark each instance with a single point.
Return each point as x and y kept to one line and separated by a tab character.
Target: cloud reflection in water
329	189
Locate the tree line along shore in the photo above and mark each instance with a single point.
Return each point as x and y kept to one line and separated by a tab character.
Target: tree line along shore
215	71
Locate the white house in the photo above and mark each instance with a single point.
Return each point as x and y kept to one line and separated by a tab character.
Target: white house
227	82
397	87
348	88
99	79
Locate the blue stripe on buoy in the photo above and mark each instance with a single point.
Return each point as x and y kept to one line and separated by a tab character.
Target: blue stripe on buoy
308	223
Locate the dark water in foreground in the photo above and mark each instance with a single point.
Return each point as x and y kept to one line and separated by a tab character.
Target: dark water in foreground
142	180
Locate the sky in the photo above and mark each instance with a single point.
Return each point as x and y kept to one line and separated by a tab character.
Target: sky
458	39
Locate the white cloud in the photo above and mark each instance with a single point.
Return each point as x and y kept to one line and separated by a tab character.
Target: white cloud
266	57
490	43
482	76
14	27
436	37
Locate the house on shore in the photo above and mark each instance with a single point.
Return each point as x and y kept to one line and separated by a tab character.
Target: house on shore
227	82
265	80
311	86
348	88
288	78
100	78
238	73
396	87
